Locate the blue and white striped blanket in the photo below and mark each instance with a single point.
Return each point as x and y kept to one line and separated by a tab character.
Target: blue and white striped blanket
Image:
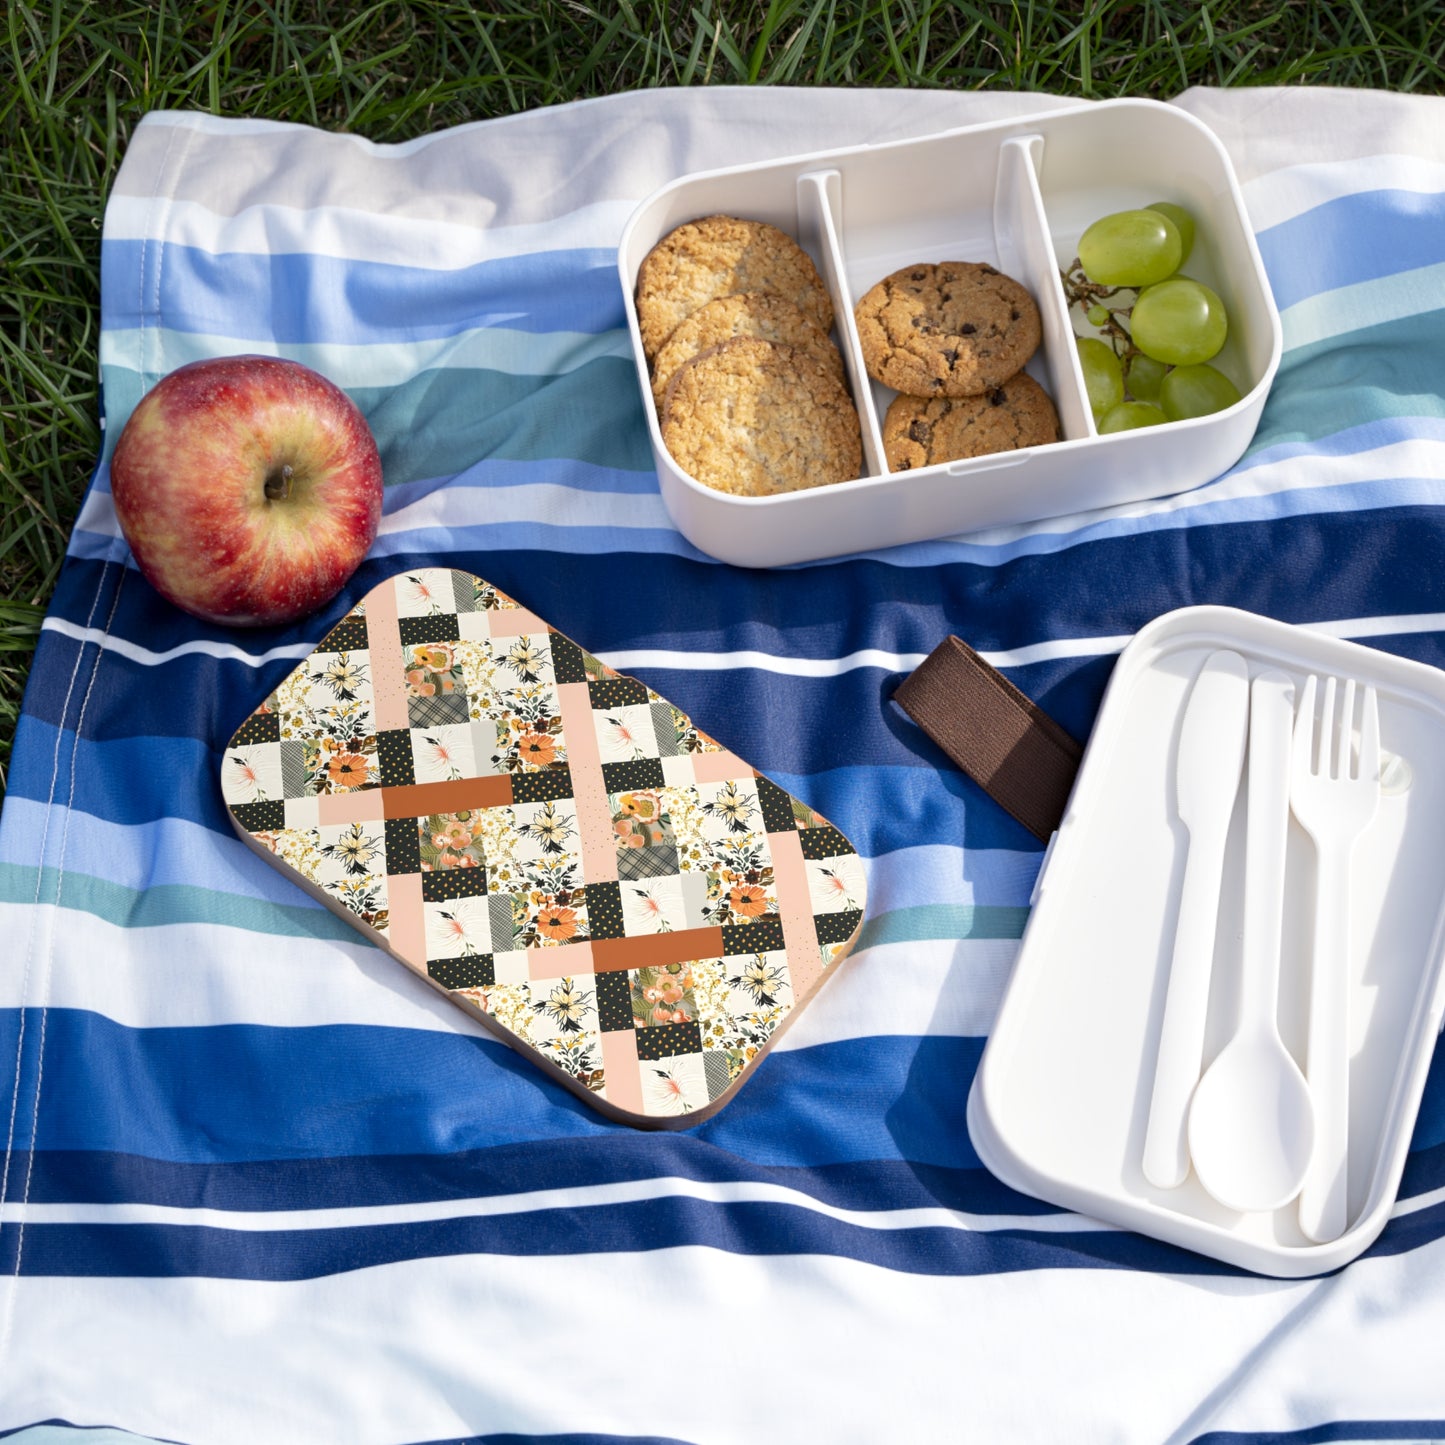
260	1184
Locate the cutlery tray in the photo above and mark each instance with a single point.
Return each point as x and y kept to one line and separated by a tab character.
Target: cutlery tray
1060	1104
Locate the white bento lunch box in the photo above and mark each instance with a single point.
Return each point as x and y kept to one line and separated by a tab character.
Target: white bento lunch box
1016	195
1061	1101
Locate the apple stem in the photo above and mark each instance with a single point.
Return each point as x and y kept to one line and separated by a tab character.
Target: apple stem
278	484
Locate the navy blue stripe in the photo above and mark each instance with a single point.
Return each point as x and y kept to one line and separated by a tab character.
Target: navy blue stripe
1297	569
1353	238
299	297
509	1438
59	1176
74	1177
1415	1431
1409	1231
568	1439
55	1422
755	1229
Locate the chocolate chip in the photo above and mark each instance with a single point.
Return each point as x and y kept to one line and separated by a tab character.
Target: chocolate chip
996	397
917	275
967	329
988	270
921	432
1013	316
949	357
916	320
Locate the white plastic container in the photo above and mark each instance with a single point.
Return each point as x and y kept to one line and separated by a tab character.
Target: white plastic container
1060	1104
1016	195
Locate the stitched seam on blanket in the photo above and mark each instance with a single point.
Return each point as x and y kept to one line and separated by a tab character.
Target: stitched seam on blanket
165	188
30	952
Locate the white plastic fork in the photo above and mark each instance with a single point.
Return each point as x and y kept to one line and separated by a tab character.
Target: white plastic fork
1334	797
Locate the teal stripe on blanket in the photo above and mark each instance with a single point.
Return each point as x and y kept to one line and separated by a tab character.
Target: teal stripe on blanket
168	903
176	903
441	422
945	921
1373	374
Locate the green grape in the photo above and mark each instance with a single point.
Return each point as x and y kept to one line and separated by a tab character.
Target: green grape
1196	391
1179	322
1129	415
1183	223
1130	248
1103	376
1144	377
1098	315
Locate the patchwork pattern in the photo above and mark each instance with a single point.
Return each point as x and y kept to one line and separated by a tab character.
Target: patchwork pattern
550	842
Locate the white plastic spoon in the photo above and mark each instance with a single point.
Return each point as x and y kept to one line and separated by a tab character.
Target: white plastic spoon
1251	1122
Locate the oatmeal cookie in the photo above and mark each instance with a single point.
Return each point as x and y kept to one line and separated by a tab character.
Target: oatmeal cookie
753	418
717	256
918	432
952	329
749	313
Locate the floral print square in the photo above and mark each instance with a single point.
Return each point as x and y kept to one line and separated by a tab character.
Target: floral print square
641	819
350	851
542	919
338	763
425	592
443	754
653	905
742	1000
625	734
458	928
662	995
433	670
562	1007
836	885
545	836
452	840
730	809
674	1086
344	860
526	726
253	774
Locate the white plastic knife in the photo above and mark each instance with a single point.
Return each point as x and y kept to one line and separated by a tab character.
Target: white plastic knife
1210	760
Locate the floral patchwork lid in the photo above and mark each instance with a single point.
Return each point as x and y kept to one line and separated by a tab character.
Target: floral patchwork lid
550	843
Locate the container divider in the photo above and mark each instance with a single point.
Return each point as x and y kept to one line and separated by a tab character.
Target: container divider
1026	251
820	222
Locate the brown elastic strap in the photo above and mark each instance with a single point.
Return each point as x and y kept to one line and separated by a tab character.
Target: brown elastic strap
1008	745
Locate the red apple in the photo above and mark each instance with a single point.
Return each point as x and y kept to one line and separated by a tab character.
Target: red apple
249	489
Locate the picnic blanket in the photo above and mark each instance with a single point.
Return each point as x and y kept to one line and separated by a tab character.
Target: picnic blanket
261	1184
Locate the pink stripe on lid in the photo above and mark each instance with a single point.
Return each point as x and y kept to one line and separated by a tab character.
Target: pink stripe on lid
594	822
795	908
388	663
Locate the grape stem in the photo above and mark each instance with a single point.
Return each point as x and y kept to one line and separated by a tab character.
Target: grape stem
1085	294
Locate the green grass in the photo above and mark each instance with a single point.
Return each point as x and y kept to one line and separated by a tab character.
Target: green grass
75	78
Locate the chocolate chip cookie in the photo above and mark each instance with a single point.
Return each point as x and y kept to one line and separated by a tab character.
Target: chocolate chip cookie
956	328
717	256
918	432
749	313
753	418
